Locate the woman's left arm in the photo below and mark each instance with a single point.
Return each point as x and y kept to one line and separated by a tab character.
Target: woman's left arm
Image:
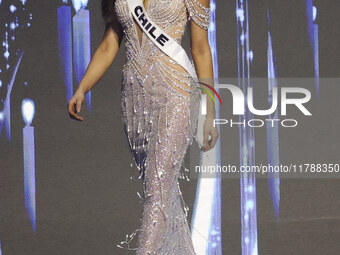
201	54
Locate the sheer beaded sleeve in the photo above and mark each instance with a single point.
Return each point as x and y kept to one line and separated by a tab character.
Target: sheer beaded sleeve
199	13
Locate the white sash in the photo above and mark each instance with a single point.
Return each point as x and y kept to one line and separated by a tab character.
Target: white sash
170	47
161	39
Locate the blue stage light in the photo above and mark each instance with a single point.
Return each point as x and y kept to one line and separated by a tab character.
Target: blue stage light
79	4
27	110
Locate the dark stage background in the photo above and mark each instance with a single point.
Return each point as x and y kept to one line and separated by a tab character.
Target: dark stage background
86	201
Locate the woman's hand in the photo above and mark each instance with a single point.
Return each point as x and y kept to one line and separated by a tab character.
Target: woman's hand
209	129
74	105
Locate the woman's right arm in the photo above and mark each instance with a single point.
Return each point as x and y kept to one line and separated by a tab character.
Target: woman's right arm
100	62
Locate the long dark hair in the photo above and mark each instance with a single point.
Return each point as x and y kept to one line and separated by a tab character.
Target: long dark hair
108	11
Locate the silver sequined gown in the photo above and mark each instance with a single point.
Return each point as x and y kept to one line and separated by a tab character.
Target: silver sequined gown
160	104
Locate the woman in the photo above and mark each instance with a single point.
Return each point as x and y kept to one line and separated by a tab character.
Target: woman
160	103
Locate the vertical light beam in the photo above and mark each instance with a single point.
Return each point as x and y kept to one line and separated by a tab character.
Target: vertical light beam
272	131
65	48
249	243
7	105
28	111
316	52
